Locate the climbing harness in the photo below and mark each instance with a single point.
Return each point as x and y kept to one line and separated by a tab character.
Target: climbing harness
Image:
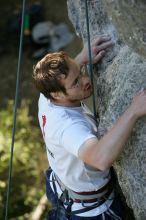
68	197
86	197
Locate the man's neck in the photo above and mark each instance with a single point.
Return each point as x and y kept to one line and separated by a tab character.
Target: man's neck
66	104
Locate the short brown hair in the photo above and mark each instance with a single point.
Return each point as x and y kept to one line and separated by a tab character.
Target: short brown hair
46	73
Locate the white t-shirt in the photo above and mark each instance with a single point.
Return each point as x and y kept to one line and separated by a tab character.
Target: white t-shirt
64	130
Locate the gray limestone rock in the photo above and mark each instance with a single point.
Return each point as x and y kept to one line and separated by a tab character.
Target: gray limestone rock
121	75
129	18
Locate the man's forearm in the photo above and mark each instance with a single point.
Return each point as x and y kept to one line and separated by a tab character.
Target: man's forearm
102	153
80	59
111	145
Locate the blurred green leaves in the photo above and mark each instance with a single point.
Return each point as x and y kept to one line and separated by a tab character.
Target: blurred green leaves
29	160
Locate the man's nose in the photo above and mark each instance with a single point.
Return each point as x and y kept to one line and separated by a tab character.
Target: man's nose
85	80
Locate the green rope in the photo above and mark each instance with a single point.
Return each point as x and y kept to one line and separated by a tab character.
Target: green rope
15	111
90	60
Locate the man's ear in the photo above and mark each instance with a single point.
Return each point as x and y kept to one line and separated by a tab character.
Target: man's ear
57	95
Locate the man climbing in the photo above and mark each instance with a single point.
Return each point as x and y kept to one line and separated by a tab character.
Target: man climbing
81	176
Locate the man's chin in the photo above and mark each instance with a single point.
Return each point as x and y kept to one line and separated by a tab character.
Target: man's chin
88	95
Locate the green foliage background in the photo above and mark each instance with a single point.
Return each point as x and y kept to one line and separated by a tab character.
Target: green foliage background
29	161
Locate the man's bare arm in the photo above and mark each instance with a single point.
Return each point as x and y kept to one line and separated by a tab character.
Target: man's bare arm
102	153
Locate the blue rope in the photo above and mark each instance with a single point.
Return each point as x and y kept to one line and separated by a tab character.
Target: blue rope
15	111
90	60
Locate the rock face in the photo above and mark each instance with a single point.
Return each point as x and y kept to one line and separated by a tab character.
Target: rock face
121	75
129	18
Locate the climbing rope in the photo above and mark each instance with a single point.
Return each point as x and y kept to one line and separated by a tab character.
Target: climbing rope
15	111
90	60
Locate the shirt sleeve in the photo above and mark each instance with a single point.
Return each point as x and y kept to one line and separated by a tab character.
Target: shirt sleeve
75	135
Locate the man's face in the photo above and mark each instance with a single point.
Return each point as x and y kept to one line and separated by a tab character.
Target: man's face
77	84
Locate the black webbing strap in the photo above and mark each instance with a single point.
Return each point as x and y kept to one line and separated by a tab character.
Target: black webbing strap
86	209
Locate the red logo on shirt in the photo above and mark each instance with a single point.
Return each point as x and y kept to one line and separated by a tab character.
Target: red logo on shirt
44	122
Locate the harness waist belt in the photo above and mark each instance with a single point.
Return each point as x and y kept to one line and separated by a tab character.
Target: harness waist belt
87	197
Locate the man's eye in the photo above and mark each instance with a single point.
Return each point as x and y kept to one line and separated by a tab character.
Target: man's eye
76	82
